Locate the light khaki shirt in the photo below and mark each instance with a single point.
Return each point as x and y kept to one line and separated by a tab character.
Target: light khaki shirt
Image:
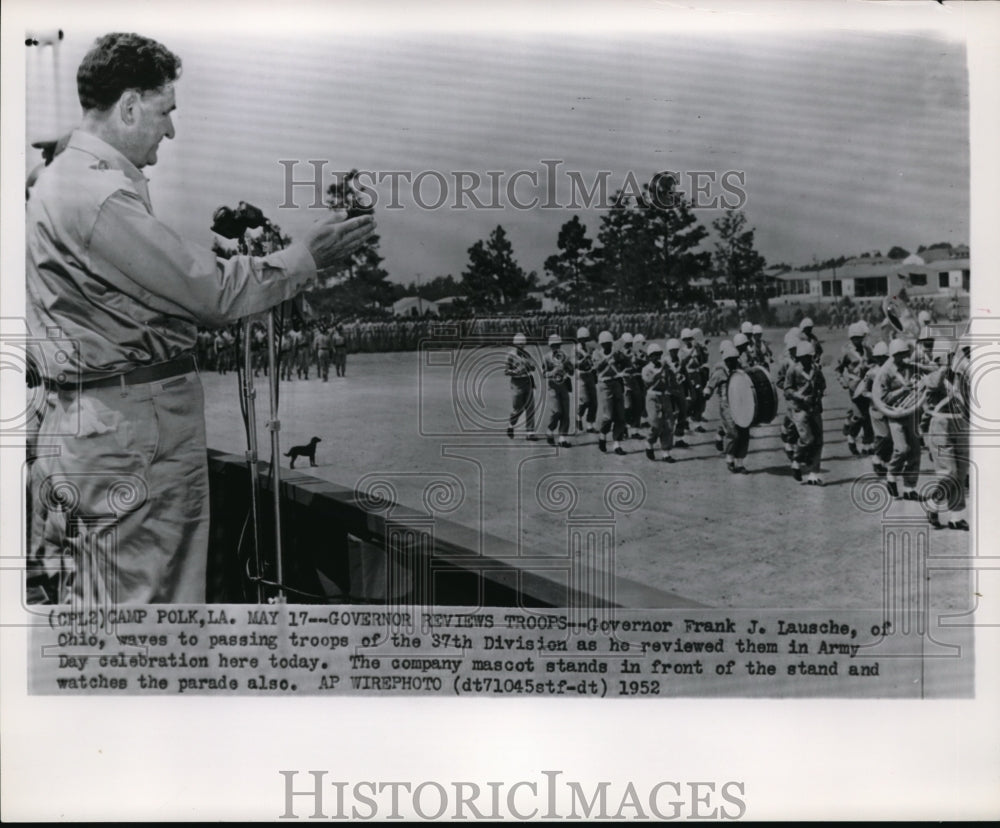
105	273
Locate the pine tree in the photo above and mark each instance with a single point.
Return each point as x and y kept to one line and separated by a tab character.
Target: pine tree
493	279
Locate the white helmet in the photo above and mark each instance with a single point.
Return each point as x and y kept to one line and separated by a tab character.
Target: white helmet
519	339
757	329
605	336
626	338
880	350
792	339
899	346
863	326
728	350
673	344
924	317
746	328
805	349
555	339
582	333
696	333
739	340
654	348
805	323
638	339
857	329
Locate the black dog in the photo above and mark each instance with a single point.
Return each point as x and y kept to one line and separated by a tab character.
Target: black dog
304	451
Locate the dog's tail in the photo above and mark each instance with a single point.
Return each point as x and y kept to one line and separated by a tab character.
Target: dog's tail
288	453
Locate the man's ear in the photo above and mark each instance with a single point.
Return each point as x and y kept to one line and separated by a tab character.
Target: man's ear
128	107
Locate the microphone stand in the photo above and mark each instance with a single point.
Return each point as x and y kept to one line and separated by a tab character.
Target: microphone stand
274	426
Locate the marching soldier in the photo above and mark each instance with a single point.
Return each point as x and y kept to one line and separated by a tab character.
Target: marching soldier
633	402
882	444
639	388
611	365
692	365
737	439
855	359
520	368
760	350
321	343
678	393
804	390
742	344
806	333
558	369
587	384
948	441
789	435
894	387
658	381
339	344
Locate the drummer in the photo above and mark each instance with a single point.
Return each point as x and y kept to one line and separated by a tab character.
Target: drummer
737	438
805	386
894	385
694	387
742	343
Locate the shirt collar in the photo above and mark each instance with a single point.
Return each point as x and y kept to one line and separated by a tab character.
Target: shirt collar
103	151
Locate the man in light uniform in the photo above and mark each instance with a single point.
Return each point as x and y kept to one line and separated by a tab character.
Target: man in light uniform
806	333
855	358
558	369
948	441
587	382
789	436
760	350
737	438
324	351
882	443
127	431
659	381
611	364
893	389
805	386
678	394
520	368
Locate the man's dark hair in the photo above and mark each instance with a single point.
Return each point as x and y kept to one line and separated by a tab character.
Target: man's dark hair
121	61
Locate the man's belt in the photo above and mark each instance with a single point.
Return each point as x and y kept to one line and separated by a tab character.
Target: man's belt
146	373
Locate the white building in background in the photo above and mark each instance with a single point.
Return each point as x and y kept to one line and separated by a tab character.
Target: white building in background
933	277
414	306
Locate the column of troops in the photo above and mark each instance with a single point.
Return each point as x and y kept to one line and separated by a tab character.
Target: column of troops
300	350
906	395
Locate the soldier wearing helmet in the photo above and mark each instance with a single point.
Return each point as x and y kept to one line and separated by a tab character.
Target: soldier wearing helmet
520	367
610	363
789	436
806	333
805	386
882	442
639	388
742	344
587	382
658	381
947	439
760	351
558	370
679	390
633	401
893	390
736	438
855	359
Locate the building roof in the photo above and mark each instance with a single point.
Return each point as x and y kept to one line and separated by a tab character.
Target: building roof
407	303
939	266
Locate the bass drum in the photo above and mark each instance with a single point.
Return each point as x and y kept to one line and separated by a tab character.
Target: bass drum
753	399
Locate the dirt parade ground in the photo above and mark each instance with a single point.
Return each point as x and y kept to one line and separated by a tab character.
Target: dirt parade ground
431	426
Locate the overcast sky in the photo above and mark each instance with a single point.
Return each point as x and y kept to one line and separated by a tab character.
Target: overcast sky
848	141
